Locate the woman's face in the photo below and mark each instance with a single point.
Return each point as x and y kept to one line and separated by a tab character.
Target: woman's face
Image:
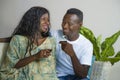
44	23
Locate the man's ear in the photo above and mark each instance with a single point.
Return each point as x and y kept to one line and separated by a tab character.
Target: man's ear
80	24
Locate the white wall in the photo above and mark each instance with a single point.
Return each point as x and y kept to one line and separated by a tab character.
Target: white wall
98	14
101	16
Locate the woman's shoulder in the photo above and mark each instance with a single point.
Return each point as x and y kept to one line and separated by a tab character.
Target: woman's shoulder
51	38
19	38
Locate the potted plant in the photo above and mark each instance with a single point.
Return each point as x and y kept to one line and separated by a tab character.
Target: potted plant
104	53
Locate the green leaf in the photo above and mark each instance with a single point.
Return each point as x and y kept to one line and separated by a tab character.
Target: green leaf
107	44
103	51
98	41
110	52
112	60
118	54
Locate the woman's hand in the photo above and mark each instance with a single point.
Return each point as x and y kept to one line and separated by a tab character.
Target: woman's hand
43	53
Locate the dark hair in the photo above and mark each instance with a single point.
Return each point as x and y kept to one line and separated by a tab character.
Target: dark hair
76	12
30	22
29	25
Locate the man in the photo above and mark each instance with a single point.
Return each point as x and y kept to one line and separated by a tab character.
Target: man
74	51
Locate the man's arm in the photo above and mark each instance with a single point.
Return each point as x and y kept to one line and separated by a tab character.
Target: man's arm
79	69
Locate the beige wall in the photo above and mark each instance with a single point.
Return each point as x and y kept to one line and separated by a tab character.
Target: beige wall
102	16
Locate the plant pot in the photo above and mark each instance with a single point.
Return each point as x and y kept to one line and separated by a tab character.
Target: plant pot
100	70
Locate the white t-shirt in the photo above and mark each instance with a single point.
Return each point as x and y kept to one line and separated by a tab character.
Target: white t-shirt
83	49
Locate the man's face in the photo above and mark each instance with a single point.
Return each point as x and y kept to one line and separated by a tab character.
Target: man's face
71	24
44	25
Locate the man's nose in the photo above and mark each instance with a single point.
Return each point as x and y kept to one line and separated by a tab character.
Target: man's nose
65	25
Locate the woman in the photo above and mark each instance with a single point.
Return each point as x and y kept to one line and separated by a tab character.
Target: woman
31	52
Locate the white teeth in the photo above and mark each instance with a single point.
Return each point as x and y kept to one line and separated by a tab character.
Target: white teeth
45	27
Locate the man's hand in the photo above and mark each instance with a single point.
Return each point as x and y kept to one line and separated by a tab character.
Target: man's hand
67	48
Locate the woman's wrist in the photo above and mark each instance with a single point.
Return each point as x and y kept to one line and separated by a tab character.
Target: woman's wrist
35	57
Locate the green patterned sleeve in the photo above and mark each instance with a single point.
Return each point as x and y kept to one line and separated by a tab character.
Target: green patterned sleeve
7	71
13	51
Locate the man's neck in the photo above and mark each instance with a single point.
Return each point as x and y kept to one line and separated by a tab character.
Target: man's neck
73	37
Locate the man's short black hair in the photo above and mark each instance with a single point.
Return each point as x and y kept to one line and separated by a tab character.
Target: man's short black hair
76	12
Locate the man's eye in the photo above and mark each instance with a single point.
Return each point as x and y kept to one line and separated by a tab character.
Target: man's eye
63	23
70	24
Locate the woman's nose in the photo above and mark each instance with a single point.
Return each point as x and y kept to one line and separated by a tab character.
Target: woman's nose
47	22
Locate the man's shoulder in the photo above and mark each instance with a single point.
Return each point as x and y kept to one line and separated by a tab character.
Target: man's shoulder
56	33
85	40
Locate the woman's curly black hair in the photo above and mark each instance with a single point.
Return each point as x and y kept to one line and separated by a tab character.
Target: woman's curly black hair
29	25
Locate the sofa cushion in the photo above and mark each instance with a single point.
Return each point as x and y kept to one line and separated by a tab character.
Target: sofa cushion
3	49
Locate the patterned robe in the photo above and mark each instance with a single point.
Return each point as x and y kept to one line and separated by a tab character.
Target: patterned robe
42	69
